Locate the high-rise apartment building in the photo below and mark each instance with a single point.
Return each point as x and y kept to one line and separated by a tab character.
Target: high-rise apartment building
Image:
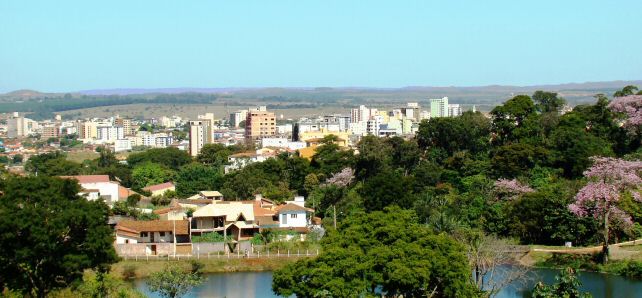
18	126
126	123
237	117
200	133
454	110
259	123
48	132
110	133
439	107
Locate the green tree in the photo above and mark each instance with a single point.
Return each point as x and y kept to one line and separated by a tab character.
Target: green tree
626	91
516	159
170	157
195	177
385	251
510	116
469	132
149	174
548	102
173	281
214	155
386	189
330	158
567	286
49	235
52	164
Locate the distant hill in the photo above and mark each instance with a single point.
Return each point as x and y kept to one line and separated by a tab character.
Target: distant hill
492	89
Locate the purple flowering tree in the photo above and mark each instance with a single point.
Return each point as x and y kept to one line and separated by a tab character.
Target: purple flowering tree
608	179
631	108
511	189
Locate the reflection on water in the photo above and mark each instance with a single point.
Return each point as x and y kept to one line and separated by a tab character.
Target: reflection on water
229	285
598	284
259	284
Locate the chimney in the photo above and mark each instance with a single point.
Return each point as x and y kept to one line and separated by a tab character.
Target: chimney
299	200
258	197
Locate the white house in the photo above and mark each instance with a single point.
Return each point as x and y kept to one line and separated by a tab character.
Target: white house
294	214
98	186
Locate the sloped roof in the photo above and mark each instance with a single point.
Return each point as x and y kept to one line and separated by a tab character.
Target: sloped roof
89	178
291	207
138	226
231	211
162	186
211	193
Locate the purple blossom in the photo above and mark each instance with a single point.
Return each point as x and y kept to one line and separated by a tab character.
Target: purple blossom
511	188
631	106
341	179
610	177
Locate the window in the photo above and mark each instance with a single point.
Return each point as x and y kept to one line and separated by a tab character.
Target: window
162	234
143	234
293	215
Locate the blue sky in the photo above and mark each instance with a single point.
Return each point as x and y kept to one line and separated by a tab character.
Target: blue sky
77	45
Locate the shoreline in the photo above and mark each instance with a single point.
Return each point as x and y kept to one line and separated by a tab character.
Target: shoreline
131	269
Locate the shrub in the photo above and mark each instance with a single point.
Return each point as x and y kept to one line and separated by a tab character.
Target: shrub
632	269
209	237
129	271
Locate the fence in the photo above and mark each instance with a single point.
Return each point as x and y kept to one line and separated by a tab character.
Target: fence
256	254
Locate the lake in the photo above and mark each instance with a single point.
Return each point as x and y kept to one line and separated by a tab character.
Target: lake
259	284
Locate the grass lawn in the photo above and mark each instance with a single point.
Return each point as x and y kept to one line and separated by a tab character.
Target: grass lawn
80	156
139	269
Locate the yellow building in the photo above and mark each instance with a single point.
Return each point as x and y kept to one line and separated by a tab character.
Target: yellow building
313	139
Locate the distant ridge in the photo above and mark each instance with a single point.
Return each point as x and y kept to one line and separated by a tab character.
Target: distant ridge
606	85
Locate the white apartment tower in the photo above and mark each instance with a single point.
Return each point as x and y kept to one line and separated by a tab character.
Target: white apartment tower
439	107
200	133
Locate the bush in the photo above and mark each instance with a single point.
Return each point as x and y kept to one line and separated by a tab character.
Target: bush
210	238
129	271
631	269
578	261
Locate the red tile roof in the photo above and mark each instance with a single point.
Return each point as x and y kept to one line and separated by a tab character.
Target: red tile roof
161	186
88	178
182	226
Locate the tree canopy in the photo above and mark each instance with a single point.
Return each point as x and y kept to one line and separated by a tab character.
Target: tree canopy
49	235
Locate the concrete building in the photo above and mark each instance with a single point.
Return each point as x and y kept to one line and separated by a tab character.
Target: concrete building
126	123
52	131
454	110
110	133
20	127
259	123
200	133
439	107
237	117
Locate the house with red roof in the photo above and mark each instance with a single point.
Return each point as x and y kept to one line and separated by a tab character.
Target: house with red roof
160	189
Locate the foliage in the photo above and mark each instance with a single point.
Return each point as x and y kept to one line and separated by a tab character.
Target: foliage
50	235
195	177
215	154
209	237
567	286
147	174
105	285
170	157
173	281
384	251
52	164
